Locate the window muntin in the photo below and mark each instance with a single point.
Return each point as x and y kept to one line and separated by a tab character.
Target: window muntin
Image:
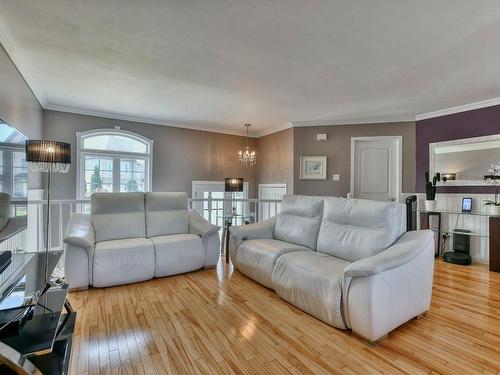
114	161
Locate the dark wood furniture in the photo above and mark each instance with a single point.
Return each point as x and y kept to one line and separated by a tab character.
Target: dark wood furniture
494	243
425	224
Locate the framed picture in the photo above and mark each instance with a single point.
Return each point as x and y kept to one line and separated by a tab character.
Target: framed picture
313	167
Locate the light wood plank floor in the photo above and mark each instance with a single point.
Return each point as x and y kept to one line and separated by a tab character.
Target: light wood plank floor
220	322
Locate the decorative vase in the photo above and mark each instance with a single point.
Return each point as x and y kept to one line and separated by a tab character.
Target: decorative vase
494	210
430	206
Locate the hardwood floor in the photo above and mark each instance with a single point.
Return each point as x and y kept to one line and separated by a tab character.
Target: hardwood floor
220	322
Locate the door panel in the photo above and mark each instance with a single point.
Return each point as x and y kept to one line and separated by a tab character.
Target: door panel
376	169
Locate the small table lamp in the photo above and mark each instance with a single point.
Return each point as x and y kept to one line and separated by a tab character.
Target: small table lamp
48	157
234	184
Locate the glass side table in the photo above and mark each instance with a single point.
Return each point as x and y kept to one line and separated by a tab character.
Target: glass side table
229	220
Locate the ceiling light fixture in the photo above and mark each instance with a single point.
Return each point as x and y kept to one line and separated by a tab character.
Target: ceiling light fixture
247	157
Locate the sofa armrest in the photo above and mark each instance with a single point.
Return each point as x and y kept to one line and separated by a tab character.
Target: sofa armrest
200	226
410	245
262	230
79	256
80	231
384	291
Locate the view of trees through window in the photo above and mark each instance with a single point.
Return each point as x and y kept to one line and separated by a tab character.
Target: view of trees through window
108	168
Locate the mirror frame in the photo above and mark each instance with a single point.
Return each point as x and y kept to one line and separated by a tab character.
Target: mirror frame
433	146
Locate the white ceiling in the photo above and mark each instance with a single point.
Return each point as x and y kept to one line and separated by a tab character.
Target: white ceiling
220	63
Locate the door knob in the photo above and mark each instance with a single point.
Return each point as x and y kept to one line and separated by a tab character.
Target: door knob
392	199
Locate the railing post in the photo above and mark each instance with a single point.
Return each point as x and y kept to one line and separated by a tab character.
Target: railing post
61	234
209	207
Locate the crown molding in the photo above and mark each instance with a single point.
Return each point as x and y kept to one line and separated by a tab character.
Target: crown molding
274	129
144	120
361	121
20	64
461	108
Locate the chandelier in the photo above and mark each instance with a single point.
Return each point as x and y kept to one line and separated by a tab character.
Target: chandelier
247	157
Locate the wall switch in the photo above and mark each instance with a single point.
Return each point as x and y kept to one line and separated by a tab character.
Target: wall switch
336	177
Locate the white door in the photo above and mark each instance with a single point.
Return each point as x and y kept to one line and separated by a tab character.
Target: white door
215	203
270	191
376	168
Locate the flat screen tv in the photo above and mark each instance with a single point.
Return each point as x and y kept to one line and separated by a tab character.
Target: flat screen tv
13	182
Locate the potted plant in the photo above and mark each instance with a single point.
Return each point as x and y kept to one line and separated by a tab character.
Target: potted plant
430	191
493	178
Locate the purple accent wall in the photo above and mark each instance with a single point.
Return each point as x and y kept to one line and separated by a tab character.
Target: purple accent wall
475	123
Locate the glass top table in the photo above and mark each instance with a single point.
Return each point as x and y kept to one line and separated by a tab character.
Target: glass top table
29	309
229	220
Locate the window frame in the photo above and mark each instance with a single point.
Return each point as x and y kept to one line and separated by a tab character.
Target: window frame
115	155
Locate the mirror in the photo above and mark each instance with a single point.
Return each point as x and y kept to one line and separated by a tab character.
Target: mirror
464	162
13	182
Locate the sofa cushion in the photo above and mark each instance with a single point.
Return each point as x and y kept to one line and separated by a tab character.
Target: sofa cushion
177	253
256	258
166	213
354	229
299	220
118	215
312	282
123	261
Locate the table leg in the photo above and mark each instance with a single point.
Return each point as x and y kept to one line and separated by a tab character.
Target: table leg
227	244
224	230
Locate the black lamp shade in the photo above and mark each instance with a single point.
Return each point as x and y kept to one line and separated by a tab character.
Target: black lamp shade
234	184
41	151
48	156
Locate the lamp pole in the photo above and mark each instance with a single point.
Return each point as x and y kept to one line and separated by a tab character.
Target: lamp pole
47	229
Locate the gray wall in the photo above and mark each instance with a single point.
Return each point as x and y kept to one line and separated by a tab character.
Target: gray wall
180	155
18	106
338	151
275	159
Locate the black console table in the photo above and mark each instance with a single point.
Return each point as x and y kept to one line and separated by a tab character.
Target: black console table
36	320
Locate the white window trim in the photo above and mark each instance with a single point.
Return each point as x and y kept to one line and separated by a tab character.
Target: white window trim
80	154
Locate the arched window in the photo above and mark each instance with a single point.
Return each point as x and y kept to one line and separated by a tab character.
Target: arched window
113	160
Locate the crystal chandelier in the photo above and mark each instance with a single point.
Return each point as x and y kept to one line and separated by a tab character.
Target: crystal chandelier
247	157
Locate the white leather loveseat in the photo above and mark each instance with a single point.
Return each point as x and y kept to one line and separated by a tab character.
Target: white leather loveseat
131	237
348	262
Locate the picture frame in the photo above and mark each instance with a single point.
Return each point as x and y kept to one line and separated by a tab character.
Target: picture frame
313	167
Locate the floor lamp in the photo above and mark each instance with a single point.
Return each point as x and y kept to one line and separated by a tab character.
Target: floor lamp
48	157
232	185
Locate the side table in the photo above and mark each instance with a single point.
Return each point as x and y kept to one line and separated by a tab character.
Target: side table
494	224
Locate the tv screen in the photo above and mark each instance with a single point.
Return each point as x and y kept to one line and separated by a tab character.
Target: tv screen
467	205
13	182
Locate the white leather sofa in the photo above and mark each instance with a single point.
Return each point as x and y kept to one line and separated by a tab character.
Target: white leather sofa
348	262
131	237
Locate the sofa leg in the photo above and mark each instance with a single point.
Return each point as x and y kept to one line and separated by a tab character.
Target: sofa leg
371	342
420	316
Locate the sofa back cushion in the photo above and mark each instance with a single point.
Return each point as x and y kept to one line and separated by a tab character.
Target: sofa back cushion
118	215
354	229
299	220
166	213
